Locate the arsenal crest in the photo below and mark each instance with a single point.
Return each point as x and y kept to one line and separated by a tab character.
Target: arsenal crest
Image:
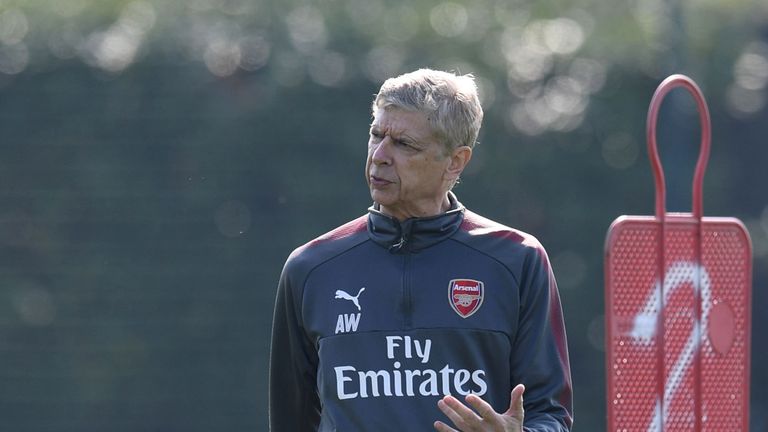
465	296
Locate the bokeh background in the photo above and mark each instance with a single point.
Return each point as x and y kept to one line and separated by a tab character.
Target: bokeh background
160	160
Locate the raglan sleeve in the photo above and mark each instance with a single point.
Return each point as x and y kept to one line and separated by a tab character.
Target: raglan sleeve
294	404
540	353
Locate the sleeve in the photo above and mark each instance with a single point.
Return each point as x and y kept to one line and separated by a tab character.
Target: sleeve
540	354
294	405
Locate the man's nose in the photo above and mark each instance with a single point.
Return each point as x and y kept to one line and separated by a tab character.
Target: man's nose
381	152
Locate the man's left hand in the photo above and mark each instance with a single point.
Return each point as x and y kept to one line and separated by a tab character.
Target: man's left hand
485	419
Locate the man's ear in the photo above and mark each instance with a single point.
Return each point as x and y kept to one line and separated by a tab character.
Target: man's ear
460	157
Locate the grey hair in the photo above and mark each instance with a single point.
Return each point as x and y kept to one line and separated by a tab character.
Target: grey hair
449	101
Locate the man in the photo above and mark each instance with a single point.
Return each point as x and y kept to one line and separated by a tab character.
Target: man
385	322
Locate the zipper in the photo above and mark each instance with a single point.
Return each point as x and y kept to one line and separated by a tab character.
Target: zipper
407	306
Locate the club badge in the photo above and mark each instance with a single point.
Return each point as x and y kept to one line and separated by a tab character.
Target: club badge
465	296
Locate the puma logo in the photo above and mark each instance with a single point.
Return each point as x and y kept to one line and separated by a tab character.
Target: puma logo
340	294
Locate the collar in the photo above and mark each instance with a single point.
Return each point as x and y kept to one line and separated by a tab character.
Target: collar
414	234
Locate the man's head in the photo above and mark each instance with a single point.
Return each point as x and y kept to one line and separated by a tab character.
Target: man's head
425	124
450	103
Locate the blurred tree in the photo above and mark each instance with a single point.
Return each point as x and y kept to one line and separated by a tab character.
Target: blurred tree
159	160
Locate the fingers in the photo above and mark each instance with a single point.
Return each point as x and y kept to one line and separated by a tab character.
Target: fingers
461	416
483	408
483	416
516	402
442	427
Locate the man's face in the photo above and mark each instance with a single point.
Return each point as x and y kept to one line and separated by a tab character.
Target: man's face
407	167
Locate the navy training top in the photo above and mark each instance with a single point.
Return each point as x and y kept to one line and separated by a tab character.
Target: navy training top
378	319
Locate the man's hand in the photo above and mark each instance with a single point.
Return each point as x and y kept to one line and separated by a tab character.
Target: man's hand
486	419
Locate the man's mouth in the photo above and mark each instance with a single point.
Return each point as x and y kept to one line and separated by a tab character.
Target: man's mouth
378	181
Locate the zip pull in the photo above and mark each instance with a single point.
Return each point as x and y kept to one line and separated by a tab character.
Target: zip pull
405	237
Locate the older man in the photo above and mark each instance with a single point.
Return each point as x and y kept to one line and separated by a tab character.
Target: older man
385	322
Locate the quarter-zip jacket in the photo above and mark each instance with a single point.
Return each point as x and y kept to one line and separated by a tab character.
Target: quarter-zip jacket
378	319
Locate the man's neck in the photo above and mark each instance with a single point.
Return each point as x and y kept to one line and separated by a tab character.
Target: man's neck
432	209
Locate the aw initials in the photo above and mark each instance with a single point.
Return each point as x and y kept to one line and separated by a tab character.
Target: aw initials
347	323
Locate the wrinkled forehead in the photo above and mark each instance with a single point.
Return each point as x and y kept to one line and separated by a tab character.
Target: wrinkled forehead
400	118
393	110
391	106
413	123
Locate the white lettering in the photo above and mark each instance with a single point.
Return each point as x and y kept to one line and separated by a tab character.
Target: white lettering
340	380
461	378
466	288
378	383
423	353
429	387
351	321
445	373
347	323
476	378
340	325
374	375
391	344
398	379
408	347
409	374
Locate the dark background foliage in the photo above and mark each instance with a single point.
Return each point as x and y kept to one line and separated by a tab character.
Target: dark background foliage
160	160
